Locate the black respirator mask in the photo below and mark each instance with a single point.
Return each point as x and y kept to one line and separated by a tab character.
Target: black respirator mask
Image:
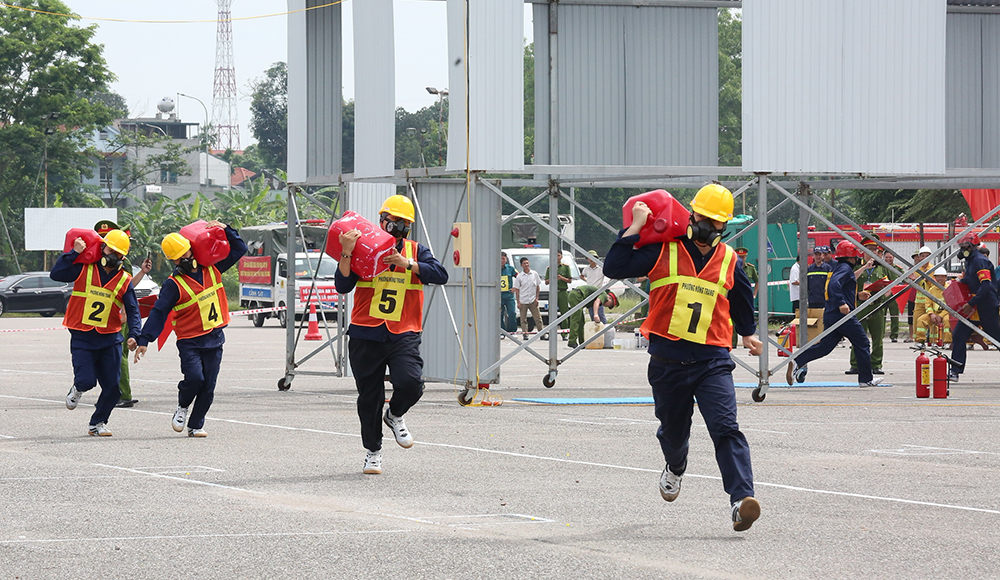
111	261
398	229
704	231
188	265
966	252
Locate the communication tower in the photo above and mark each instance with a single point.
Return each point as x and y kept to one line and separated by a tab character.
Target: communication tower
224	115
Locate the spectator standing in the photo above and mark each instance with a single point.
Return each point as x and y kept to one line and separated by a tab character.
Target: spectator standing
793	284
893	303
871	313
564	276
816	278
508	314
751	273
526	287
594	276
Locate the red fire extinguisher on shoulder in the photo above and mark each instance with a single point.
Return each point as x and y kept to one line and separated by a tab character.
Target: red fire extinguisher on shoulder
941	376
923	375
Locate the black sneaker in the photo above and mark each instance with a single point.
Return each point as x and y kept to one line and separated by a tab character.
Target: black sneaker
851	371
894	340
877	371
122	403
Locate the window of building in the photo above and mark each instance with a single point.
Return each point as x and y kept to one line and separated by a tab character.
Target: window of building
167	176
107	176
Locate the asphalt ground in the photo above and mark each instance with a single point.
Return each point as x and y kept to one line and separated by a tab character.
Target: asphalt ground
853	483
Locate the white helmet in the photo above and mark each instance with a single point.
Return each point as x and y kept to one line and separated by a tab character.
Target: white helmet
940	271
924	250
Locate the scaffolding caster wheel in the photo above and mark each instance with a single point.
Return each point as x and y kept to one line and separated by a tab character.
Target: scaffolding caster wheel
757	396
549	380
284	384
465	397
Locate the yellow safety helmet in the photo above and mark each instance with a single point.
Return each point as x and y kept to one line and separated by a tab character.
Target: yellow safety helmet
715	202
175	245
118	241
399	206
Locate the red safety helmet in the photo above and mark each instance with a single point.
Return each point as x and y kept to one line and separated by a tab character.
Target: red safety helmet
846	249
970	238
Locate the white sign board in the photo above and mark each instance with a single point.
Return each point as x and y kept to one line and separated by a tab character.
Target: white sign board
45	228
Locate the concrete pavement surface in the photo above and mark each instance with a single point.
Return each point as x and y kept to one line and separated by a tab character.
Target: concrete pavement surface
853	483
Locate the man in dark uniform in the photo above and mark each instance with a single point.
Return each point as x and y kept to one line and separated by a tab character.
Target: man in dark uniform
751	271
979	278
697	296
816	278
841	294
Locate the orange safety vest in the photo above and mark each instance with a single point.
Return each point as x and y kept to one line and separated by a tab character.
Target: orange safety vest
690	305
395	299
96	306
200	308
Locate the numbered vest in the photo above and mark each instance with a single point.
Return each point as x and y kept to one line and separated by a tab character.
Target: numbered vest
394	298
200	307
96	306
690	305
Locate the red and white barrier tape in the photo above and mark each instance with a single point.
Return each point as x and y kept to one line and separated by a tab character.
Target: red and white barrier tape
231	313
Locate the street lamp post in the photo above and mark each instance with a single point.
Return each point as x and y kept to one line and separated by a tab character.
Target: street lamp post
205	126
441	95
46	131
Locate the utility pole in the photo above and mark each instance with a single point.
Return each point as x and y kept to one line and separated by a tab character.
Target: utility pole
441	95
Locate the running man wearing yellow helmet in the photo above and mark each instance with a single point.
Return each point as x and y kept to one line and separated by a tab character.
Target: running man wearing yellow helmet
386	325
695	289
195	295
94	317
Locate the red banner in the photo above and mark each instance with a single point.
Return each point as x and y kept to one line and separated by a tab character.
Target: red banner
255	269
327	294
981	201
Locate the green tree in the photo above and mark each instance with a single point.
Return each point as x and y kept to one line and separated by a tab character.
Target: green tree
269	115
730	87
48	65
529	103
257	204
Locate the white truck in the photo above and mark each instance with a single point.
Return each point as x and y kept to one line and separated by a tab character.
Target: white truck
264	272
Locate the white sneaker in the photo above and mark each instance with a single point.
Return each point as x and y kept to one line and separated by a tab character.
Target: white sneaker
399	431
670	484
99	430
73	398
745	513
180	417
871	383
373	463
197	433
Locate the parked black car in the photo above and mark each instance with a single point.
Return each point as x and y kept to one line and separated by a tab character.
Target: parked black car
33	292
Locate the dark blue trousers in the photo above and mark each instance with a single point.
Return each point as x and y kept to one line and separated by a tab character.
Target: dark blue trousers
101	365
369	359
989	321
200	367
852	331
508	313
675	387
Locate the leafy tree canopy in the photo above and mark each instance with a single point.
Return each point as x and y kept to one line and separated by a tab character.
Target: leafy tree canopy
269	115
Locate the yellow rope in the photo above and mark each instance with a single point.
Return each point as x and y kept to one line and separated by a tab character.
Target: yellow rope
37	11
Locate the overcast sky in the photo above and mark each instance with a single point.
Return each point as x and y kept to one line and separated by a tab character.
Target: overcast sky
154	60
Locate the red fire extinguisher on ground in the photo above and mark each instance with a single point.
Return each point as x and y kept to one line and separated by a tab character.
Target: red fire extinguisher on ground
923	375
787	336
941	376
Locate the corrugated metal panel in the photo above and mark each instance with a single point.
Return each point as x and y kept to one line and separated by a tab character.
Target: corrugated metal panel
965	91
991	90
374	89
476	314
297	83
324	98
671	86
495	84
869	86
634	86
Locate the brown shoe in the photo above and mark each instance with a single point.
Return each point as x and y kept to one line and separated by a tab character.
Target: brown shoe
788	373
745	513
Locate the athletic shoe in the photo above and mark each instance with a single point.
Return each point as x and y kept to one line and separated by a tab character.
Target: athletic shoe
870	383
894	340
800	374
745	513
197	433
952	376
399	431
524	336
180	417
99	430
373	463
790	372
877	371
73	398
851	371
670	484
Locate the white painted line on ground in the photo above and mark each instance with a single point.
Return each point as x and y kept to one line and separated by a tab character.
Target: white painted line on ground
23	540
921	450
6	436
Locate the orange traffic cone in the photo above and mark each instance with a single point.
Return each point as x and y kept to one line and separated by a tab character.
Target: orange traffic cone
313	332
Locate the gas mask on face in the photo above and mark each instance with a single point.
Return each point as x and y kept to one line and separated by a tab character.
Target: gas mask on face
188	265
966	252
397	229
111	261
704	231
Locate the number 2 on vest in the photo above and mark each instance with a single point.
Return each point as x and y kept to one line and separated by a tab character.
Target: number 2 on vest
96	314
